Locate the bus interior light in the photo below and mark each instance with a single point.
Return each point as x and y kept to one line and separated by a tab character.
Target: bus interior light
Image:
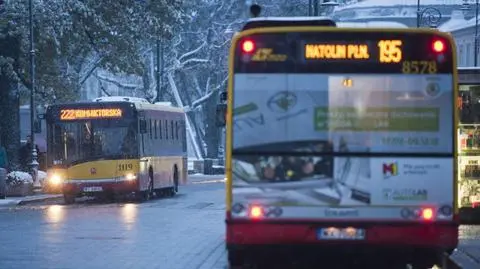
427	214
438	46
248	46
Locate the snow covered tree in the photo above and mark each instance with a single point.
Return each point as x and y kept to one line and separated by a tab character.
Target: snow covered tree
73	38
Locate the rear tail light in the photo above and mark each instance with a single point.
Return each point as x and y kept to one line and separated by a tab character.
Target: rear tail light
427	214
438	46
256	212
248	46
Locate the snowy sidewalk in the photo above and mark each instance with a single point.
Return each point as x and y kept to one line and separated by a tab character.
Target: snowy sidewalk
13	201
201	178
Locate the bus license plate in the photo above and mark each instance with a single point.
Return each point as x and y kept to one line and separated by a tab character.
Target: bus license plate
92	189
341	234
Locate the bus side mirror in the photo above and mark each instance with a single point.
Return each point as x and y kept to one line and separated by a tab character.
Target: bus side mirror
37	127
221	115
143	126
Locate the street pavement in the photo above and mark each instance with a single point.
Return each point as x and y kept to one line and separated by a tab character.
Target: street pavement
183	232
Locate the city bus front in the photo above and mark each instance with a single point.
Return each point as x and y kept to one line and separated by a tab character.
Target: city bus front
341	137
92	148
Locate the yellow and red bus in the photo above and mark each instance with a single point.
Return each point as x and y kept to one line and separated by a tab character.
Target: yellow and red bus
340	142
114	146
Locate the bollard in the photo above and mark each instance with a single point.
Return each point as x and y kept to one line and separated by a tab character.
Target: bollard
3	183
208	166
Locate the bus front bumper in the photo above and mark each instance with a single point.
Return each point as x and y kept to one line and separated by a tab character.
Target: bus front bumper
94	187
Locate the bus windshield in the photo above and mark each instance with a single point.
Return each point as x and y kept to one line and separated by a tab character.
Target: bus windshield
302	98
80	141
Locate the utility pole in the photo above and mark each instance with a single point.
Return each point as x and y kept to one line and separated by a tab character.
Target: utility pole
475	42
34	162
159	69
309	8
418	13
315	8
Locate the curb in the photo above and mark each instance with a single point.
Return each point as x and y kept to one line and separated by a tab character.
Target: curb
29	200
452	264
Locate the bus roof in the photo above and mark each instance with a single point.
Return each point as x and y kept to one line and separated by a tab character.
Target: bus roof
261	22
371	24
120	99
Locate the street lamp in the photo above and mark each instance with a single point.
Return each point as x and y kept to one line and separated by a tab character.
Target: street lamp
429	15
34	162
475	58
324	4
328	7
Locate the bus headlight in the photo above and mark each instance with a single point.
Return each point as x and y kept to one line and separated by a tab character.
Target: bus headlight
130	177
55	179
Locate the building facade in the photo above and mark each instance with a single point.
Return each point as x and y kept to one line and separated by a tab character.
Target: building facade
463	31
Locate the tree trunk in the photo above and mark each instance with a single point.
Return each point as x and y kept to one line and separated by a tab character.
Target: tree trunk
9	119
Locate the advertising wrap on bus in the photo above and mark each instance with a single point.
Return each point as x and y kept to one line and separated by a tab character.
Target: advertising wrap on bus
364	145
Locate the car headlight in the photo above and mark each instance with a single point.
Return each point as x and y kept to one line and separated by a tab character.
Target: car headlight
130	177
55	179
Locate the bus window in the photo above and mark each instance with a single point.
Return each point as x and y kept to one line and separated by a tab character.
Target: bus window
176	130
150	129
155	125
160	134
166	129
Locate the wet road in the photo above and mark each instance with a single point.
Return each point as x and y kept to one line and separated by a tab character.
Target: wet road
183	232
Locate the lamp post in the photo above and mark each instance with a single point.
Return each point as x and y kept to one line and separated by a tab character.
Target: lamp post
465	8
429	15
160	67
34	162
475	42
328	7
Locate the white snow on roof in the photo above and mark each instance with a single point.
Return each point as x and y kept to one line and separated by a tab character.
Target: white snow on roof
469	68
458	26
371	24
289	19
391	3
164	103
120	99
456	20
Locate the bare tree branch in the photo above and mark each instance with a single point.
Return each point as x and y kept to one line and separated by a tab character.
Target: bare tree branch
116	83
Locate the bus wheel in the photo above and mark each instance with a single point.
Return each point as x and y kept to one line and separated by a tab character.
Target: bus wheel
236	258
147	195
68	198
175	180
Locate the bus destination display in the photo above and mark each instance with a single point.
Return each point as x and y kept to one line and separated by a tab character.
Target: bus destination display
83	114
389	51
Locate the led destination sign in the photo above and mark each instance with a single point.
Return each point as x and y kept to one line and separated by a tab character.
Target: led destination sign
385	51
83	114
357	52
